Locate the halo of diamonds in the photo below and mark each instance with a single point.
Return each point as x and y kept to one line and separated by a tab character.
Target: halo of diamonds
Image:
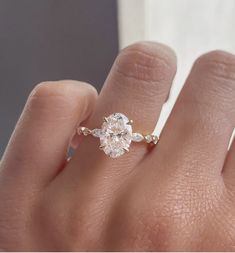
116	135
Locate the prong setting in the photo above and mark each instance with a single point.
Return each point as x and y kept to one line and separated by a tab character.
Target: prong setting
84	130
130	122
126	149
101	147
105	119
116	135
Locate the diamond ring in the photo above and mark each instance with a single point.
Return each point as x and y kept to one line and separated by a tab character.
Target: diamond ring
116	135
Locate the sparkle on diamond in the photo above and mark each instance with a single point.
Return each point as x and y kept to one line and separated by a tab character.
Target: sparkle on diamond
116	135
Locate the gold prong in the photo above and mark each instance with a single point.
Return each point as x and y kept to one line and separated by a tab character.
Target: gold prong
105	119
126	149
101	147
130	122
154	139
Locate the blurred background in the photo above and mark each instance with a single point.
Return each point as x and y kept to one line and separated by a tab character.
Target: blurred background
52	40
190	27
79	39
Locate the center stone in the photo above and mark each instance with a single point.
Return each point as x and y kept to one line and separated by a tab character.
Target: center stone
116	135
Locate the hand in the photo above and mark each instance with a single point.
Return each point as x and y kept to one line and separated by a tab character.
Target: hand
180	196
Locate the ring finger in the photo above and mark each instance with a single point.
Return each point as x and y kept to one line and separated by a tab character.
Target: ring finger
137	86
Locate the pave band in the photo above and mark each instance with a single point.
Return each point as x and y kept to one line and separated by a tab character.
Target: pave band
116	135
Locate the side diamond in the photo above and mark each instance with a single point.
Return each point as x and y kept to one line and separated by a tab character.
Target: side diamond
96	132
137	137
84	130
148	138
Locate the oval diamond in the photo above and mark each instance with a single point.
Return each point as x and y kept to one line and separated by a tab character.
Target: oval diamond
116	135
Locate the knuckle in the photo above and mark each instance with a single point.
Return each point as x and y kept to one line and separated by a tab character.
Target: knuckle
146	61
47	96
214	73
47	91
51	89
50	98
218	65
43	88
60	100
64	90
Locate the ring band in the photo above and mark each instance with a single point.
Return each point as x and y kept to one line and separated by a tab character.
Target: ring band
116	135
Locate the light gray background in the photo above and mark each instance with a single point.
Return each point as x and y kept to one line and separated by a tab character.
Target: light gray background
190	27
51	40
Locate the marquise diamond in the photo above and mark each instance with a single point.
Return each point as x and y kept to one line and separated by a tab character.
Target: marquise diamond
97	132
137	137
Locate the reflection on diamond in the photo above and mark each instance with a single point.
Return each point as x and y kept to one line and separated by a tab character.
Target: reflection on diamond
116	135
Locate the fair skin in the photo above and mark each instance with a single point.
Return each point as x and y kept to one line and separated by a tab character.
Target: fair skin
178	196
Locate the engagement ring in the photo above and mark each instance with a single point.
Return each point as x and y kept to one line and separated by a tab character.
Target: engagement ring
116	135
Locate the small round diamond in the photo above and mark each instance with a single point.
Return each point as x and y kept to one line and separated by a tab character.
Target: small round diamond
116	135
148	138
84	130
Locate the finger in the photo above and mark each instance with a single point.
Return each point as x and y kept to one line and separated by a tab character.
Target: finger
200	126
138	85
38	147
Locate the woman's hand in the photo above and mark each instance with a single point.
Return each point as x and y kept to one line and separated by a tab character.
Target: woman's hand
180	196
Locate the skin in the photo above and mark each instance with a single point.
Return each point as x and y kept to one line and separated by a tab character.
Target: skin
178	196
